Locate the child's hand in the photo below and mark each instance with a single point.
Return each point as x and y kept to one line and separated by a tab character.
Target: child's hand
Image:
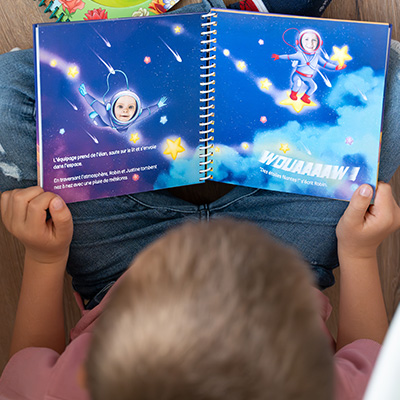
82	90
363	227
162	102
24	214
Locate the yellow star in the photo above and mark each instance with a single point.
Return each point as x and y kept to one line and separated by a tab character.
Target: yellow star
174	147
298	104
73	71
341	55
178	29
134	137
245	146
265	84
217	149
241	65
284	147
53	63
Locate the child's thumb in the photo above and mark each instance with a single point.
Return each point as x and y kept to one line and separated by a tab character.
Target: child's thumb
359	203
61	217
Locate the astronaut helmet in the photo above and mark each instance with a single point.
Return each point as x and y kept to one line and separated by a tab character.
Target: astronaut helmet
309	41
125	107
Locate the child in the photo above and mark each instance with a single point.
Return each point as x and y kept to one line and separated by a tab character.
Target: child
123	111
108	232
210	311
125	108
306	63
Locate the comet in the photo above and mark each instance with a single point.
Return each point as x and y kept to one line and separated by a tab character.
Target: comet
176	54
363	95
306	148
94	138
71	104
108	66
107	43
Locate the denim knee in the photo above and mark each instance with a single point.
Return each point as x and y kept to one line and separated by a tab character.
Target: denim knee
17	121
390	156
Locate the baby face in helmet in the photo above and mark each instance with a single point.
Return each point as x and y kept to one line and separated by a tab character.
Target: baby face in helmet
125	108
309	42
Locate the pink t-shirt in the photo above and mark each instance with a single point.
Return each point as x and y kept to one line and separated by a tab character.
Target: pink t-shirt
353	363
40	373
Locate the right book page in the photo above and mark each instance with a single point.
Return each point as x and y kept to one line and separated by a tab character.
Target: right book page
298	102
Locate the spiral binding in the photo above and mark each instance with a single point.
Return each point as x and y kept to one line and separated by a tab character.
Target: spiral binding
53	7
207	94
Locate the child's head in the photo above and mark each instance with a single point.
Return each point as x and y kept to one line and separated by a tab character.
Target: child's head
125	108
212	311
309	41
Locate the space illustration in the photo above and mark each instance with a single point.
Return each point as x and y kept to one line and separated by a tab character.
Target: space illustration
118	104
302	101
296	104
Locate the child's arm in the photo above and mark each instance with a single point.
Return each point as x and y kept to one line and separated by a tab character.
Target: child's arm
362	312
40	316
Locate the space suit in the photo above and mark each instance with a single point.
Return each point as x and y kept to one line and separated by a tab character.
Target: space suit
306	63
105	114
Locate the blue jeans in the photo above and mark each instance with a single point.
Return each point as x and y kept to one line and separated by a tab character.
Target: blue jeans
108	233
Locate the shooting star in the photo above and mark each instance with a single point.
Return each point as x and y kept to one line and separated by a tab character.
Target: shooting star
107	43
71	104
94	138
306	148
176	54
108	66
363	95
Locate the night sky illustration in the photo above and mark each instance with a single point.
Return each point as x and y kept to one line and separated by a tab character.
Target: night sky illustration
160	56
343	126
157	57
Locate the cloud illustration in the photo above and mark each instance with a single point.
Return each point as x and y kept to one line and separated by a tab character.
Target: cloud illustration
353	139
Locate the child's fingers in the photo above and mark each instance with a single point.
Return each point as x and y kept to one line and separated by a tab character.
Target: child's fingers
384	205
20	199
37	209
4	204
62	219
17	205
359	204
383	195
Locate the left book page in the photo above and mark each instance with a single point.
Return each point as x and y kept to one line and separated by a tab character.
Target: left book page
117	105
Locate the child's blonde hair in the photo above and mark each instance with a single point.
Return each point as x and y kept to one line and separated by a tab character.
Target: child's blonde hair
212	311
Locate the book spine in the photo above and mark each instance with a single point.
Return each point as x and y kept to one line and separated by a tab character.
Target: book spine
54	8
207	94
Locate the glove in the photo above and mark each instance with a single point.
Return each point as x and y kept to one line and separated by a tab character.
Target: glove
82	90
162	102
275	57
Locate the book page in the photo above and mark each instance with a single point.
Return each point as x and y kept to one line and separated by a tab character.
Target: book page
118	105
298	103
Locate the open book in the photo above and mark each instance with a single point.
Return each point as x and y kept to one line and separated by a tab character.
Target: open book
283	103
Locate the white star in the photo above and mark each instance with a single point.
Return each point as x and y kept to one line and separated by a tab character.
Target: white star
164	119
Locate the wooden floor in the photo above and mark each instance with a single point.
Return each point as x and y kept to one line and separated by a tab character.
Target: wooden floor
16	17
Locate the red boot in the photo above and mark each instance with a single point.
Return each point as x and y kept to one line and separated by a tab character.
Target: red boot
293	95
306	98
